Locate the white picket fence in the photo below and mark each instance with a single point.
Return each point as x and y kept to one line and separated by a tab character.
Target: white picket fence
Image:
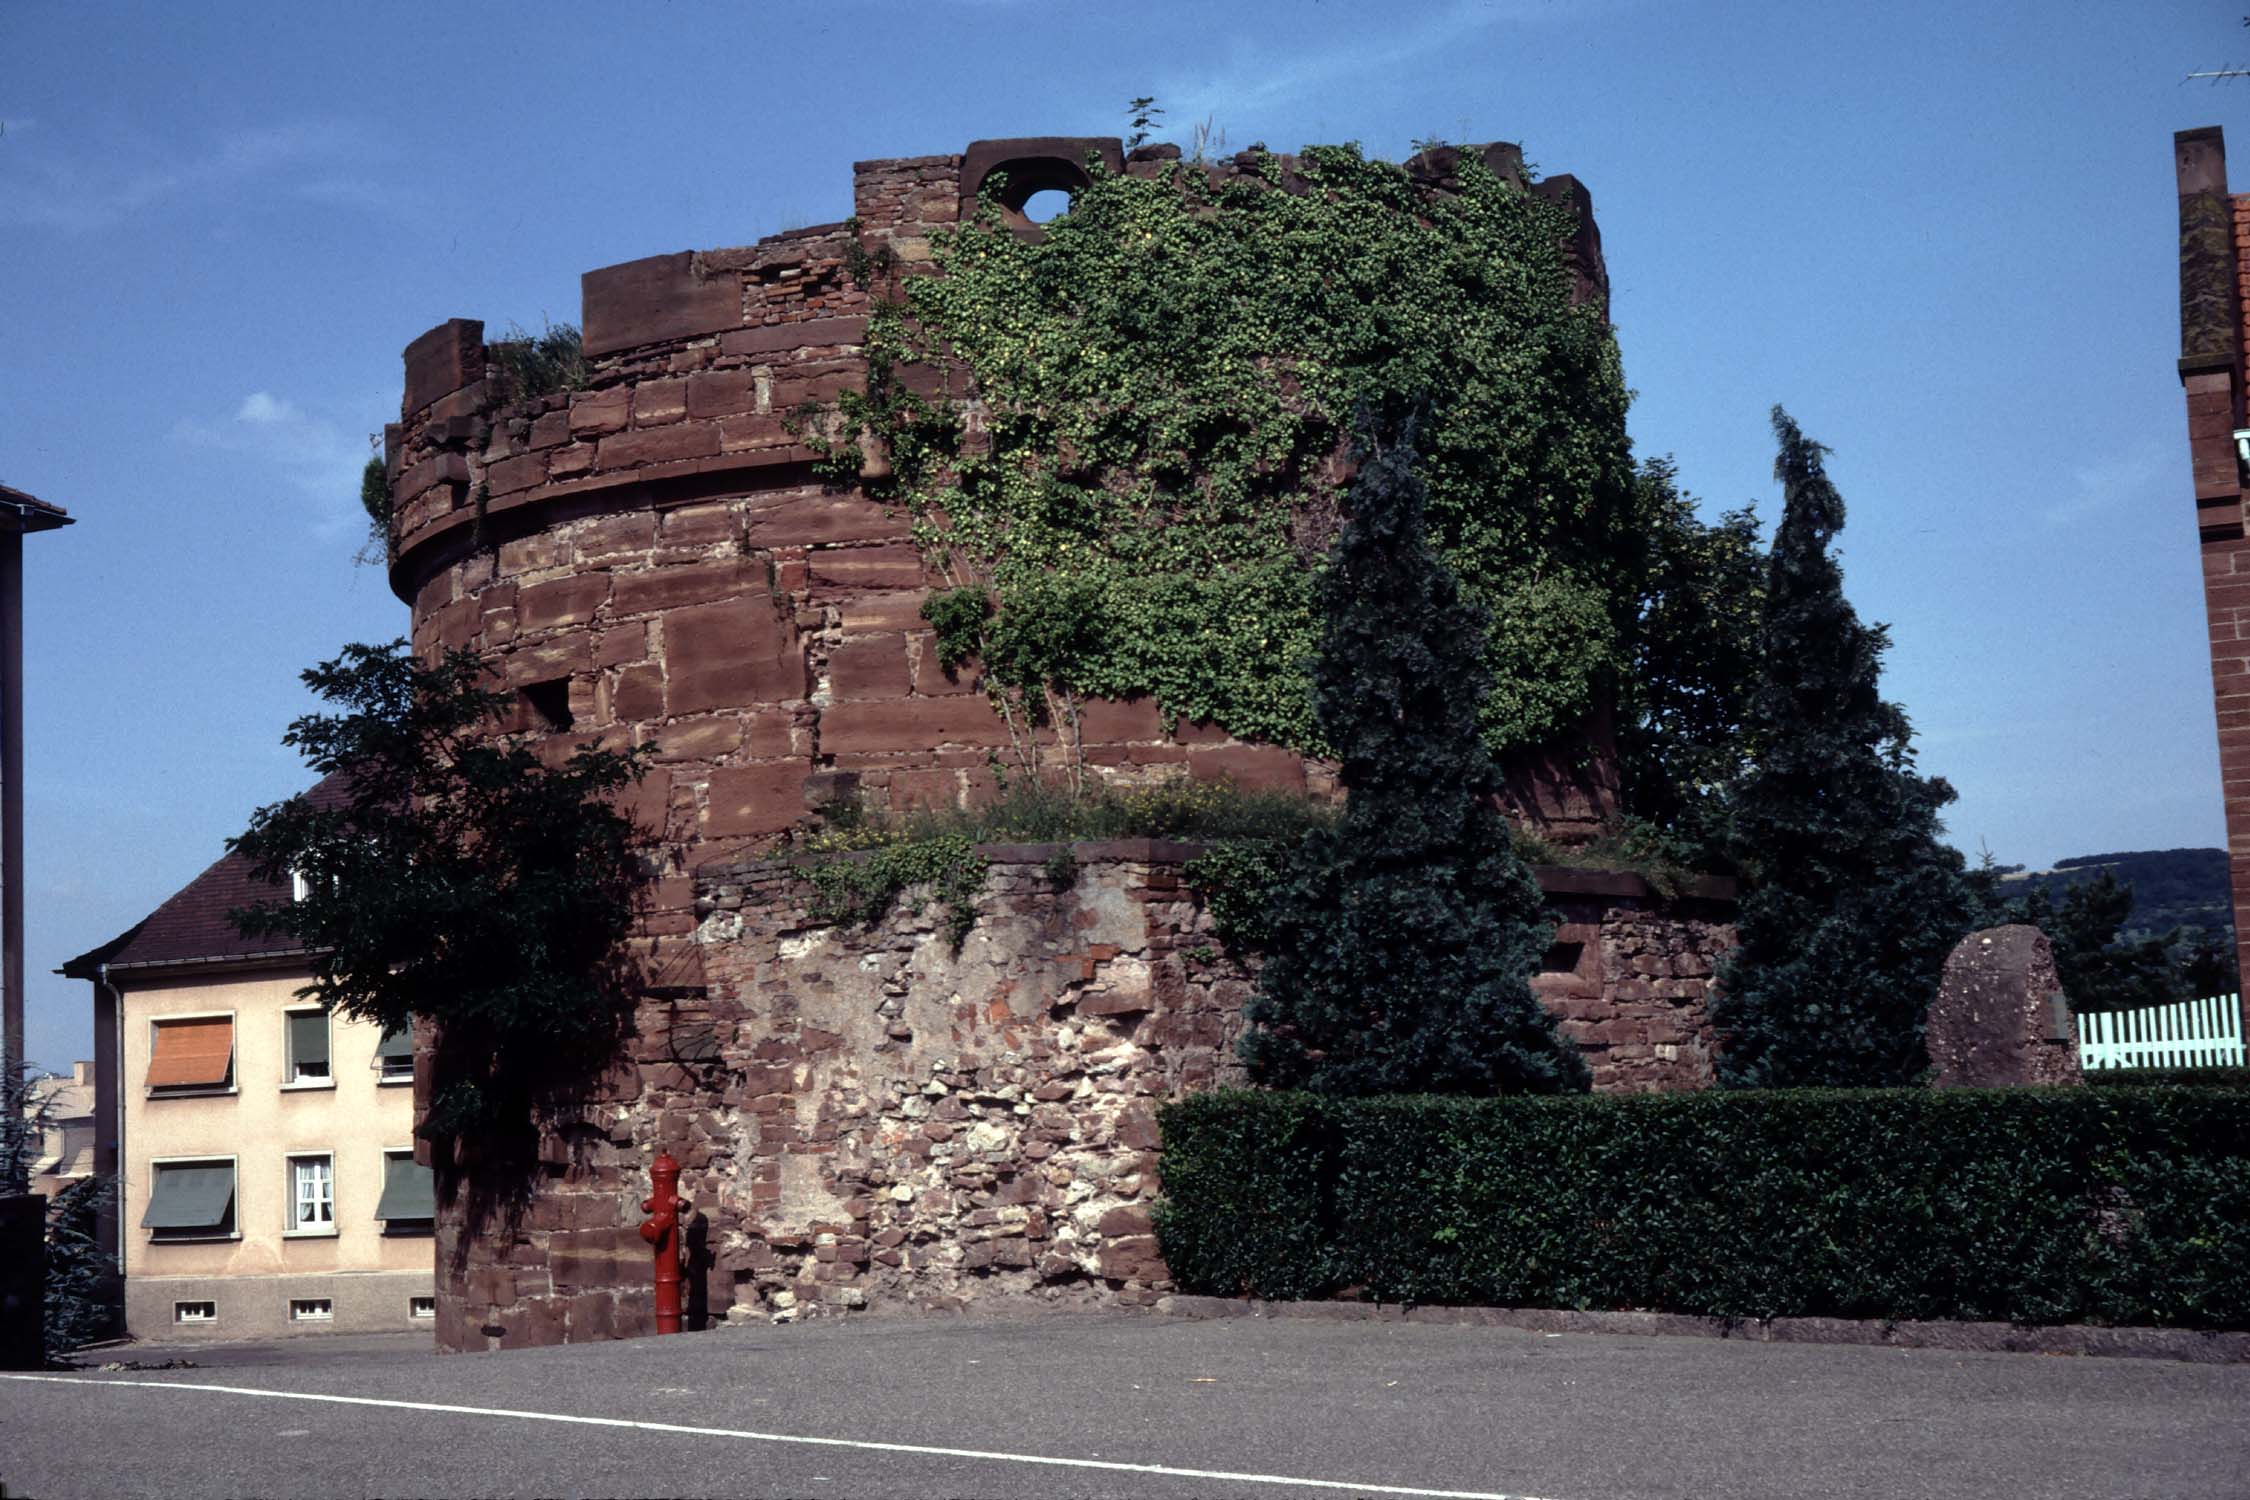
2204	1033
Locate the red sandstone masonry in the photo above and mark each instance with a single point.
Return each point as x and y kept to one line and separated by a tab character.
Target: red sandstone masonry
657	542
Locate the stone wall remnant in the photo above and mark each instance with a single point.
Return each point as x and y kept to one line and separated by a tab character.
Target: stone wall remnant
2000	1017
870	1117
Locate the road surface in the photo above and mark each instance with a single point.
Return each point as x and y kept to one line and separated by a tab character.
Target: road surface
1120	1404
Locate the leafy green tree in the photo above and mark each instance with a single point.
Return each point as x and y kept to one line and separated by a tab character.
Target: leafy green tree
1854	901
2107	962
1402	945
454	875
2208	961
2099	970
1684	697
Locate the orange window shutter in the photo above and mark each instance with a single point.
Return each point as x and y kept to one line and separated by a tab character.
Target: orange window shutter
191	1054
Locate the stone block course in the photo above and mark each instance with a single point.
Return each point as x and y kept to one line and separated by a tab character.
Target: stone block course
655	590
890	567
879	727
729	654
656	445
594	413
659	298
572	600
870	667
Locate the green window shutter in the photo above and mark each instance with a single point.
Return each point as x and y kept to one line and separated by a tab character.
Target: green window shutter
399	1043
409	1190
198	1197
308	1040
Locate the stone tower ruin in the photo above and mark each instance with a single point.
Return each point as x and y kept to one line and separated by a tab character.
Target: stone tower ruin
650	559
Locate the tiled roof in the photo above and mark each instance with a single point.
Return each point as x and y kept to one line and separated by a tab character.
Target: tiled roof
22	512
192	927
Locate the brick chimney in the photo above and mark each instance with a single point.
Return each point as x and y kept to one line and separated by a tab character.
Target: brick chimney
2214	265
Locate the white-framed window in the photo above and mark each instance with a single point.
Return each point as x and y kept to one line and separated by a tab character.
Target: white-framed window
312	1310
312	1194
394	1057
191	1054
195	1312
306	1062
420	1308
299	886
190	1198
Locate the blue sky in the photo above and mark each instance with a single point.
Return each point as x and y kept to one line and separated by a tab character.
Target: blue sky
1942	235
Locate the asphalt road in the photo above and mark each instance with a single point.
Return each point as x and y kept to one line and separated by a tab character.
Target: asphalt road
1142	1406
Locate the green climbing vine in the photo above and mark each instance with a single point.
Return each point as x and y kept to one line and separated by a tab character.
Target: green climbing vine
1151	470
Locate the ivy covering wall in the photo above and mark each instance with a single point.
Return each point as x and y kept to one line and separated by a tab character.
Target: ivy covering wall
1164	378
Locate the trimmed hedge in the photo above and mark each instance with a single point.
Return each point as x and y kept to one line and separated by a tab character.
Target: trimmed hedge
2201	1078
2117	1205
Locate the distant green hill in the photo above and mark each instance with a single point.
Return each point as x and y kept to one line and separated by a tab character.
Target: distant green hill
2171	887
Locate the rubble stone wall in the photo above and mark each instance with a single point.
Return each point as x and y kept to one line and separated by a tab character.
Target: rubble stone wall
868	1117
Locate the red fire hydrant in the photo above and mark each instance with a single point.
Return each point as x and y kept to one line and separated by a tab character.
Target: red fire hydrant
662	1229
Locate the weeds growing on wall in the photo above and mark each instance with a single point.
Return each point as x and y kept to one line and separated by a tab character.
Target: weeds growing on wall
1166	374
867	871
375	499
861	863
523	365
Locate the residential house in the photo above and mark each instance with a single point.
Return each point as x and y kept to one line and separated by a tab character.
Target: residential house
63	1109
264	1147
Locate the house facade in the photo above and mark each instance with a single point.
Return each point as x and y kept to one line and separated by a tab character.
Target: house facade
263	1148
63	1109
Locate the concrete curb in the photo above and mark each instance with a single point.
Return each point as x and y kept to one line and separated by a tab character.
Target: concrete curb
2187	1345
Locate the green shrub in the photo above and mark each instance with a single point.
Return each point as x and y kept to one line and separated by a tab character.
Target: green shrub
2118	1206
523	365
2200	1078
81	1303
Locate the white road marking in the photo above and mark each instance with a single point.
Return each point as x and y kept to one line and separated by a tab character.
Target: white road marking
863	1444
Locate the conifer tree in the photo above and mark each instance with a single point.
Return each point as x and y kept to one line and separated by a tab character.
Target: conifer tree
1403	945
1854	902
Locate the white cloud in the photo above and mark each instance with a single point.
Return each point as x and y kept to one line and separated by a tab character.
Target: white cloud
1254	78
316	456
2120	480
266	409
45	184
